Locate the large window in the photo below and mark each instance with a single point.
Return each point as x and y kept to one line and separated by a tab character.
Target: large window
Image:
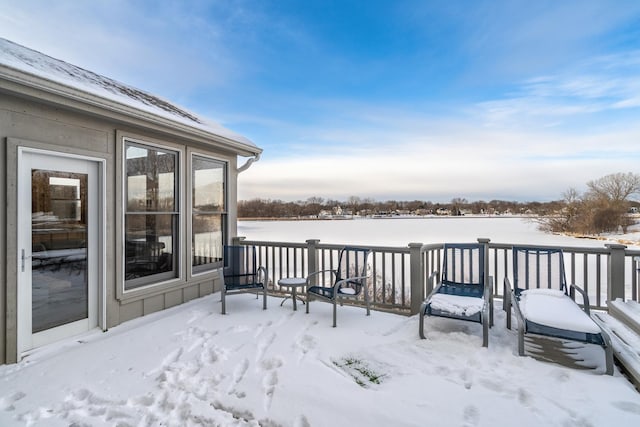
151	215
208	212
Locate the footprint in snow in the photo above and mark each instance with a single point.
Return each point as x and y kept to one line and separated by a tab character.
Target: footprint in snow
238	374
269	382
305	344
301	421
631	407
471	416
263	345
261	327
6	403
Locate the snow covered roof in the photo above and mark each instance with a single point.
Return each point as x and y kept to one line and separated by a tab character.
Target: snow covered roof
34	63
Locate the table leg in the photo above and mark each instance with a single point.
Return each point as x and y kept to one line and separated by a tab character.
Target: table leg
293	296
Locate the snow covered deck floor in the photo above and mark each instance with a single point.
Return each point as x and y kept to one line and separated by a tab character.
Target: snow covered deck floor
623	325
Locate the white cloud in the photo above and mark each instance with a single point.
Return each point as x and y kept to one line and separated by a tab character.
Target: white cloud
466	162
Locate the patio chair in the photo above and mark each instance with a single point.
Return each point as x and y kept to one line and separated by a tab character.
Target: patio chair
347	282
549	318
241	274
464	291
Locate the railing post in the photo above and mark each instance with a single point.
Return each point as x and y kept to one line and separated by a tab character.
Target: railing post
417	276
485	242
615	271
236	241
313	258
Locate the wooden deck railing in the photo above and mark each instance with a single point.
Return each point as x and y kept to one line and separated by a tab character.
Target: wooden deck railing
400	275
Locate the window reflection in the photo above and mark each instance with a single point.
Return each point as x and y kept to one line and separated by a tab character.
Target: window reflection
208	215
151	221
59	248
150	180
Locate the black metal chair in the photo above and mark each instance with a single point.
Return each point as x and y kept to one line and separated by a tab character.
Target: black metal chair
348	281
241	274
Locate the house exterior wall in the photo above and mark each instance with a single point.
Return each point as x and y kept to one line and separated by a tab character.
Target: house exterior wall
49	124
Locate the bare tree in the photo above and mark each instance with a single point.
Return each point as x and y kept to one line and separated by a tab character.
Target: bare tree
457	204
616	187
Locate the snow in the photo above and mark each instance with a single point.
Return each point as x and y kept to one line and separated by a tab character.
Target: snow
30	61
551	307
402	231
190	365
457	304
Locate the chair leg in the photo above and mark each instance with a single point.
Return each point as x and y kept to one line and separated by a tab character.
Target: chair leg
264	298
608	352
222	294
421	324
485	332
366	300
520	340
491	311
335	309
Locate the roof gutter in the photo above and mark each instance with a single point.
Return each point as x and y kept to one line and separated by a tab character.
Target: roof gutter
247	165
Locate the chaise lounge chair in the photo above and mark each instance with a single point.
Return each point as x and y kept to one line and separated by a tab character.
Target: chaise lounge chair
550	322
464	291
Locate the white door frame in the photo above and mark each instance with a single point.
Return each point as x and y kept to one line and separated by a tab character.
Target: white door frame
97	287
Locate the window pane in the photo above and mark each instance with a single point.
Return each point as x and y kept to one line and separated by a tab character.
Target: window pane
150	242
150	179
208	185
207	239
59	248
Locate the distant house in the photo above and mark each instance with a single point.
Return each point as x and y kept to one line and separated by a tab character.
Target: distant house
118	203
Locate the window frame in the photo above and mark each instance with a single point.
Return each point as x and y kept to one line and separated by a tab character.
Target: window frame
201	270
177	273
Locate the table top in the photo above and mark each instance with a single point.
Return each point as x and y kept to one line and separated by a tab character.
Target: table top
292	281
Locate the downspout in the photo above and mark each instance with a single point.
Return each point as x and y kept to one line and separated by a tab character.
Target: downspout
249	162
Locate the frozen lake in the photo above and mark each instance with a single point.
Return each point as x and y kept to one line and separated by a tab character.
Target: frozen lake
402	231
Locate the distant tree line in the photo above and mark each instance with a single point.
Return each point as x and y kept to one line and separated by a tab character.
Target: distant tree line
314	207
603	207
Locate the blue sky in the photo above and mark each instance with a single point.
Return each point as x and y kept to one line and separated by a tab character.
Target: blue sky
429	100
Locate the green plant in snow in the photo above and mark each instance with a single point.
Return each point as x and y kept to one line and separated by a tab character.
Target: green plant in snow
359	370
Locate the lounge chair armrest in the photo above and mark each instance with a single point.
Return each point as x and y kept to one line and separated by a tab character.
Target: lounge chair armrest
434	276
585	297
434	291
263	275
506	294
517	309
315	273
347	280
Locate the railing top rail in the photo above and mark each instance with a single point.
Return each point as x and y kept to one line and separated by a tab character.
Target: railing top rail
432	246
569	249
276	244
392	249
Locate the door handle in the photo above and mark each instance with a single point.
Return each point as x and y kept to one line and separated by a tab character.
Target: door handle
24	258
